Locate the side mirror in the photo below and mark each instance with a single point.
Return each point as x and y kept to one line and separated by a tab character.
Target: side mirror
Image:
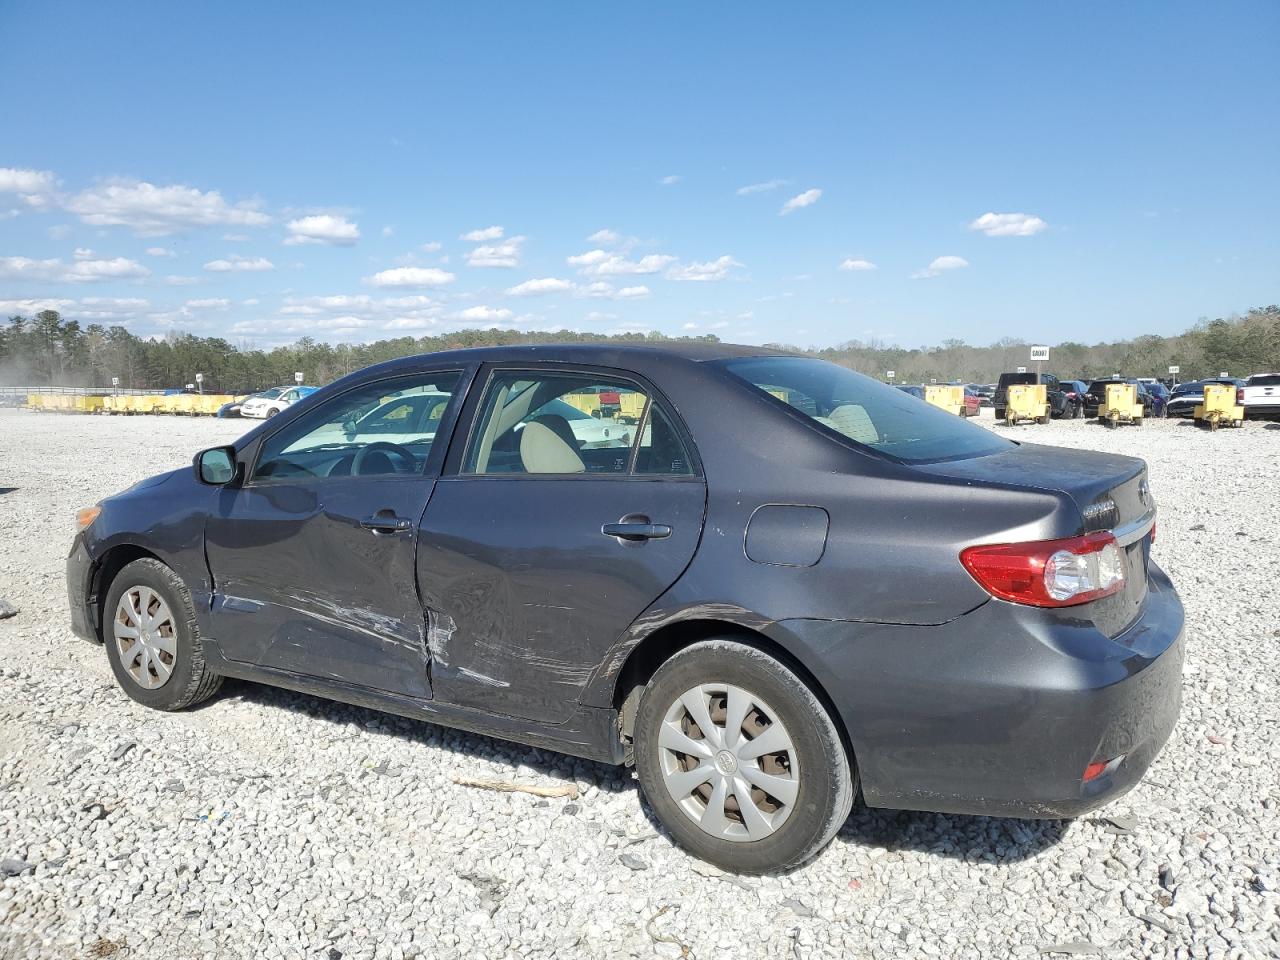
216	466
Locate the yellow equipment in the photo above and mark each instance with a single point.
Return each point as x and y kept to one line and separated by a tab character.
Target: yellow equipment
1120	405
945	397
586	402
1219	407
1026	401
631	407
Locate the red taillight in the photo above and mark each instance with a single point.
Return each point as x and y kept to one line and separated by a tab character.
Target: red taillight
1240	396
1049	573
1094	770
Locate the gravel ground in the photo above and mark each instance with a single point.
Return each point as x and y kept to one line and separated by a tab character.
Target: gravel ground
270	824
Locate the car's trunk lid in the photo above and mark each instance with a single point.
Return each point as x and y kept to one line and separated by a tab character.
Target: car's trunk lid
1111	493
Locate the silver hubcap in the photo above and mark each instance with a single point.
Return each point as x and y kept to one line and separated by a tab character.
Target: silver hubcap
729	763
143	631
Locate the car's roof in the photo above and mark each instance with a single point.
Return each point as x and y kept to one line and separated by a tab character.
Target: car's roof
598	353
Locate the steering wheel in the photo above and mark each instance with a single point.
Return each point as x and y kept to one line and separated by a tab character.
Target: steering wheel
384	451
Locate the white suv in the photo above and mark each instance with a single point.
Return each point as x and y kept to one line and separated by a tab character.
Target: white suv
270	402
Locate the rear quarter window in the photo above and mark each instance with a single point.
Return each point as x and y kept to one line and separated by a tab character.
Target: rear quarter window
857	409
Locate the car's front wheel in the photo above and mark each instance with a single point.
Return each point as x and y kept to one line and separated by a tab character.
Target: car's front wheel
740	759
153	643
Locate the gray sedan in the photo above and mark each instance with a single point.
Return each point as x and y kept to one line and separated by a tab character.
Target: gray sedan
789	586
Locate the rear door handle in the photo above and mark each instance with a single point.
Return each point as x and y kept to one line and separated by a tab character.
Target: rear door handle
636	531
384	523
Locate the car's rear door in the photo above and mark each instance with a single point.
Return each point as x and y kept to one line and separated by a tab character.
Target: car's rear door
312	556
538	551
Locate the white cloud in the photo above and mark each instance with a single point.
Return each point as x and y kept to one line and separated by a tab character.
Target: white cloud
541	285
483	234
83	253
1008	224
504	254
411	277
150	210
10	214
34	187
431	246
806	199
235	237
710	270
209	303
388	231
857	263
160	252
764	187
690	326
250	302
484	314
322	228
602	263
239	264
174	280
606	237
938	265
602	290
670	179
81	271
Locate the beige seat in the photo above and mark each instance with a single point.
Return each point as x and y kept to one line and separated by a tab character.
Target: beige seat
852	420
547	445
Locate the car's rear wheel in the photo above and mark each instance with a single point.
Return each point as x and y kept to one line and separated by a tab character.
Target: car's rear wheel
272	412
153	643
740	760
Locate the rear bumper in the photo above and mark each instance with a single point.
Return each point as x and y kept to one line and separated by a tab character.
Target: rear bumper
1000	711
79	589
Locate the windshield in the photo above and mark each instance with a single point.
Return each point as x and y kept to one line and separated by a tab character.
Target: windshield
868	412
271	394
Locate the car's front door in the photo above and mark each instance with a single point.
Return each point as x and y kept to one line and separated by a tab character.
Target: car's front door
312	555
544	541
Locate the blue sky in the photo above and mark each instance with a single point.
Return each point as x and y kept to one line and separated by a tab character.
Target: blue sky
800	173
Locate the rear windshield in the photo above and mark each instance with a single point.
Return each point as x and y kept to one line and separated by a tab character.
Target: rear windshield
1008	378
1264	380
870	413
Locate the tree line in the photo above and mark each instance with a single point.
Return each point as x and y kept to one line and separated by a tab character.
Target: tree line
49	350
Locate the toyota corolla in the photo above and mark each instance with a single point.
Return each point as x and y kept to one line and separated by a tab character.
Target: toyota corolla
788	586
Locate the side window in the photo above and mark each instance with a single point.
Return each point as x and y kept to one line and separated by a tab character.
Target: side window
382	428
552	423
661	451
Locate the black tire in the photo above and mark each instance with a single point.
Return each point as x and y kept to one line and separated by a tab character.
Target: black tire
272	412
828	781
999	413
191	681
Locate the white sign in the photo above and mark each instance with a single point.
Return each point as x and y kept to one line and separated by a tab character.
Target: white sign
191	386
297	377
1039	353
199	378
1223	373
1175	369
1022	369
115	381
889	374
933	379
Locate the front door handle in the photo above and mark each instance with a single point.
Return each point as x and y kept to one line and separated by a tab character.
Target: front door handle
382	523
636	530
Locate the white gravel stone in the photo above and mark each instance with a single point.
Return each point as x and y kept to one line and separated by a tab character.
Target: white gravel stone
261	826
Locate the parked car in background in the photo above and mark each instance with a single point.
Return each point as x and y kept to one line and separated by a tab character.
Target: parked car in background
1074	391
1159	397
972	403
764	636
985	392
1187	396
264	406
1057	399
232	408
1260	395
